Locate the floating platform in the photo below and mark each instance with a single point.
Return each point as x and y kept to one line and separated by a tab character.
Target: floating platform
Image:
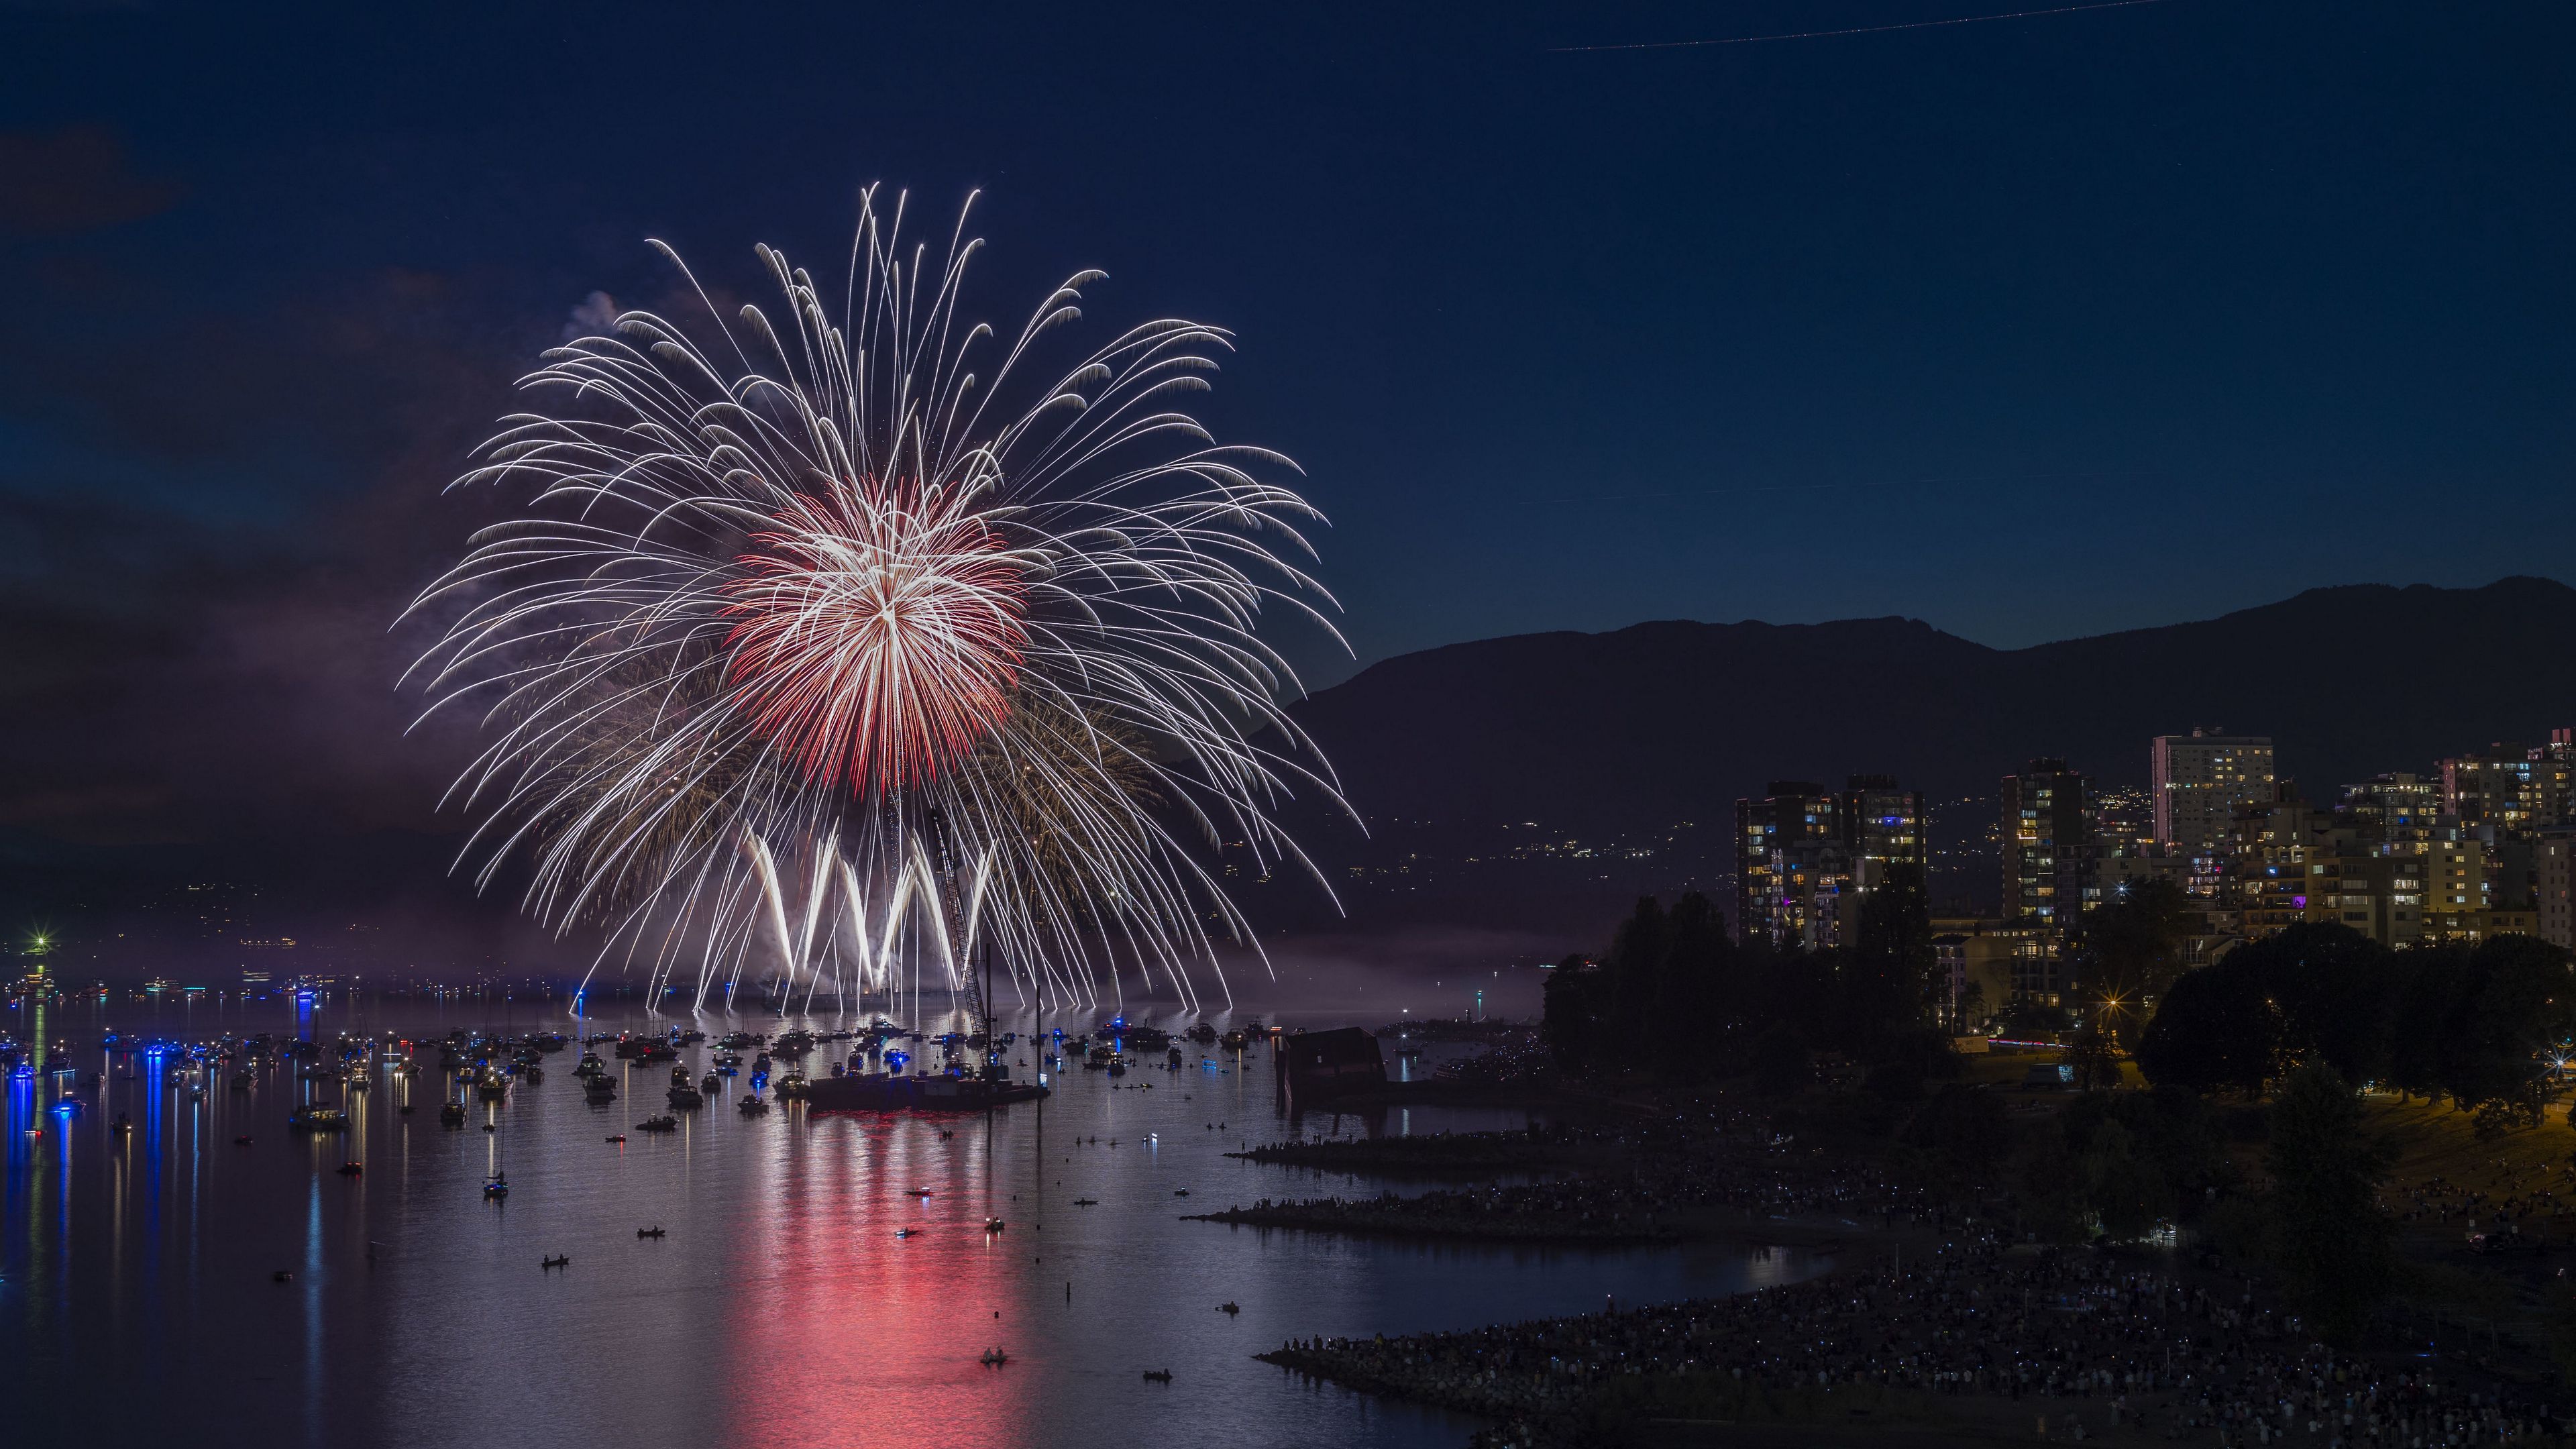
876	1093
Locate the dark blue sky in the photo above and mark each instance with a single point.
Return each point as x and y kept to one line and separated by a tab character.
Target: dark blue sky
2033	328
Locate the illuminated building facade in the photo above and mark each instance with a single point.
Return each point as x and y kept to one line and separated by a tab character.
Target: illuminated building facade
2050	848
2199	782
1806	856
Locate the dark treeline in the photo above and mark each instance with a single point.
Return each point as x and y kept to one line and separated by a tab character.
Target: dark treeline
1678	992
2480	1025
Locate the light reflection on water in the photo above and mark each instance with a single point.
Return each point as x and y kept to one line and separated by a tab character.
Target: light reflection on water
136	1292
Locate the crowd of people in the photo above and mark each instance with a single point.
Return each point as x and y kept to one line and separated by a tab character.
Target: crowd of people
2042	1343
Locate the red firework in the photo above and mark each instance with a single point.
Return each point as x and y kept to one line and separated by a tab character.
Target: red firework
879	632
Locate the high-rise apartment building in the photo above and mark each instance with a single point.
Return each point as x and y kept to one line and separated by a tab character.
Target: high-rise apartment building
1786	860
1881	825
2509	787
2200	780
2399	806
2553	872
1805	856
2050	845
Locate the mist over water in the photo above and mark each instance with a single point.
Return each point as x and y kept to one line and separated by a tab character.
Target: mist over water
137	1294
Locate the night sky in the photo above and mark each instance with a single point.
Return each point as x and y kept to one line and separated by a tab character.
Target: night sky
2032	328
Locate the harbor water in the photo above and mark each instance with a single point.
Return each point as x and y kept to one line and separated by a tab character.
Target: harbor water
821	1278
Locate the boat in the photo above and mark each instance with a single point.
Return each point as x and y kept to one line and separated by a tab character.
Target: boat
905	1232
994	1225
712	1085
1158	1376
122	1126
654	1231
452	1114
685	1098
589	1066
600	1092
242	1141
315	1118
680	1075
1229	1306
1086	1202
793	1085
752	1106
360	1082
658	1124
533	1075
558	1261
497	1188
350	1169
491	1086
994	1358
241	1080
615	1137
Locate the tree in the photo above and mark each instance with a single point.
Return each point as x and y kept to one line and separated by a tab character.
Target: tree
2510	1010
2218	1027
2334	1244
2095	1063
1569	1013
1887	973
2131	948
2128	1196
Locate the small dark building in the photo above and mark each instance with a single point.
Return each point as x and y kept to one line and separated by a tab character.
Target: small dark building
1319	1065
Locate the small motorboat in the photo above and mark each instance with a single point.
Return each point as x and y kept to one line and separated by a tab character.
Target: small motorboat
752	1106
405	1109
905	1232
1229	1307
122	1126
712	1084
1086	1202
923	1192
452	1114
314	1118
616	1137
350	1169
658	1124
1180	1192
654	1231
1158	1376
497	1188
242	1141
281	1276
558	1261
680	1075
994	1358
994	1225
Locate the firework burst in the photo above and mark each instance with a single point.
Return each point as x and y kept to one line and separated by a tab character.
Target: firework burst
829	647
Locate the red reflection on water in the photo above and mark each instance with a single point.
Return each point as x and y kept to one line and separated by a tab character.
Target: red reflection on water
848	1333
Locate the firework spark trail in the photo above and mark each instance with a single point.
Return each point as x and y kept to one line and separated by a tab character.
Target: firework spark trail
847	615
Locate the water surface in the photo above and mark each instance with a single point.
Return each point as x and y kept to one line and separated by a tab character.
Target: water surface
137	1292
